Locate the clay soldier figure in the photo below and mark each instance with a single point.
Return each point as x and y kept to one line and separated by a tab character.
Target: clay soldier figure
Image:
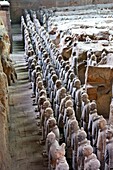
61	113
92	114
42	93
47	69
58	86
63	101
109	150
60	95
52	145
103	57
93	60
44	62
37	69
58	64
70	82
111	114
68	103
62	70
54	128
30	59
50	82
48	115
65	78
39	87
95	130
38	77
77	99
101	142
45	105
70	117
85	111
61	159
54	78
82	141
74	142
32	69
103	61
41	100
74	64
104	53
76	83
89	53
91	161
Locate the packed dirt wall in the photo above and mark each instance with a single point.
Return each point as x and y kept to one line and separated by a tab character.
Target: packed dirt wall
4	108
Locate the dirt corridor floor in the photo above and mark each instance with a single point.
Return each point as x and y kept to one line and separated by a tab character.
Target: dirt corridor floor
23	133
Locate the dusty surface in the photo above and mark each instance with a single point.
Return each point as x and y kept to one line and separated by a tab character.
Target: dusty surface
25	152
96	23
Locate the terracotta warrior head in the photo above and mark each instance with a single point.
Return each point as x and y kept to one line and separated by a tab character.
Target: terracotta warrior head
48	112
51	137
81	135
60	151
87	150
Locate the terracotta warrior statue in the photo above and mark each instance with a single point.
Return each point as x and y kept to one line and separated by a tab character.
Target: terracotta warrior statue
52	145
101	142
109	149
82	141
85	111
74	128
61	159
91	162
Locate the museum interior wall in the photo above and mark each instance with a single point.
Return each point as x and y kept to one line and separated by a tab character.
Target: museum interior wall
17	7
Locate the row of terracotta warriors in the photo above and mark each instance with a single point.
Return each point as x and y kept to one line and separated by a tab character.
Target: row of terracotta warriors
65	112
